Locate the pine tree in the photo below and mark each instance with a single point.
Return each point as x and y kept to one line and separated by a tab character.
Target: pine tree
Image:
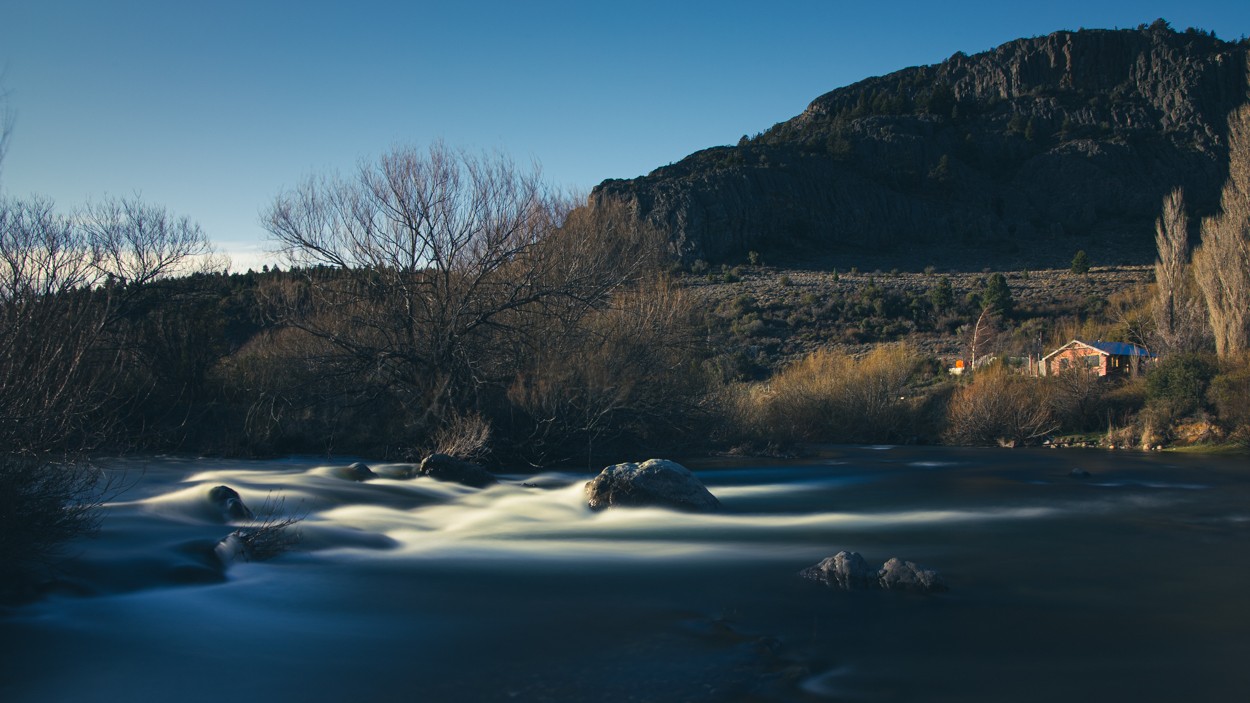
997	296
1080	263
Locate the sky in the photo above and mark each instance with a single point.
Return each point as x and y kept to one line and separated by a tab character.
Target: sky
213	109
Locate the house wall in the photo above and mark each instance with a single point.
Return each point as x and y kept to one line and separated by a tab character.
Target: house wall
1078	357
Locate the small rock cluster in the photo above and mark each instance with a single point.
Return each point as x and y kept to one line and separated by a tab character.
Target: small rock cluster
848	571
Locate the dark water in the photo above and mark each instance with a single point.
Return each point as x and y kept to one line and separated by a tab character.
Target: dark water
1133	584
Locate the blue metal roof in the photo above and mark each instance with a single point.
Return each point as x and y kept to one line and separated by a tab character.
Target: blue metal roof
1119	348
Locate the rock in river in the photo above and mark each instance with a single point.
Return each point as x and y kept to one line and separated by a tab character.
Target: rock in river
446	468
845	570
655	482
848	571
899	575
227	500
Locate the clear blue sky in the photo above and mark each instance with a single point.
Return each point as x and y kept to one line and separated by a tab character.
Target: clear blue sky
213	108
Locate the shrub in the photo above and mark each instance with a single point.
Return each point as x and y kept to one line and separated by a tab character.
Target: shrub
270	533
1229	394
463	436
43	505
1080	263
1076	399
1178	385
999	407
830	396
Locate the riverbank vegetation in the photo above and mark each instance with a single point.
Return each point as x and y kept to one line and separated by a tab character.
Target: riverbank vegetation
440	301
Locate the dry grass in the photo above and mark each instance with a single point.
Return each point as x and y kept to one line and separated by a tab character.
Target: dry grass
831	396
465	437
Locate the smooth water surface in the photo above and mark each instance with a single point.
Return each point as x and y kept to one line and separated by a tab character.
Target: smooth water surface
1127	585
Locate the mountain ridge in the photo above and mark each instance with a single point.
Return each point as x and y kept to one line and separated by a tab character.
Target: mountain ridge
1018	155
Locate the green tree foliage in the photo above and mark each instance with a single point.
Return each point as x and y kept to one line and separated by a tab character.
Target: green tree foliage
1080	263
942	296
997	297
1178	385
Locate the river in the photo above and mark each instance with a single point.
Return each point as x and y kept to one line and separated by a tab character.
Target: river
1130	584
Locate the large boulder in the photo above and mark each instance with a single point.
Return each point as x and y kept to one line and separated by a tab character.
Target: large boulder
655	482
445	468
899	575
844	570
227	500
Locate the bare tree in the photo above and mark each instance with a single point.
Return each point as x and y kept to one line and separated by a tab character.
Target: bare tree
985	338
137	243
1178	314
1222	263
430	271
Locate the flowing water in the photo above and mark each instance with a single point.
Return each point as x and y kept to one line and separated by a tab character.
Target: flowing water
1132	584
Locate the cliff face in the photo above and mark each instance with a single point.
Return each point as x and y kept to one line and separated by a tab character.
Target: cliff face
1027	152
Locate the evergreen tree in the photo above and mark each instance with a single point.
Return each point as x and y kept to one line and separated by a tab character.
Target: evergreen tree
1080	263
942	296
997	296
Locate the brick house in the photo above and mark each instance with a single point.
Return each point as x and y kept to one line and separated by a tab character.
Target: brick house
1098	357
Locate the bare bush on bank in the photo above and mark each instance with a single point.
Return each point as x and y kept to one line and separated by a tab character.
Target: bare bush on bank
999	406
628	372
63	283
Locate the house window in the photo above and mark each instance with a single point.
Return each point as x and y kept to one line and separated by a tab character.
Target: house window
1092	361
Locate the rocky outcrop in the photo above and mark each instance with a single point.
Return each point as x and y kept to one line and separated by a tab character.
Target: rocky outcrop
445	468
655	482
848	571
1029	151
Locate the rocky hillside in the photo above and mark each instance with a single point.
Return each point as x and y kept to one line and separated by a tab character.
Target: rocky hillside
1017	156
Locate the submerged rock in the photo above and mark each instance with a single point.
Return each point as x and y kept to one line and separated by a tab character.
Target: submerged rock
227	500
845	570
1078	473
360	472
445	468
655	482
899	575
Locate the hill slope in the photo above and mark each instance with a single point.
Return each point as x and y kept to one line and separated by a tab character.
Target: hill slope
1016	156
